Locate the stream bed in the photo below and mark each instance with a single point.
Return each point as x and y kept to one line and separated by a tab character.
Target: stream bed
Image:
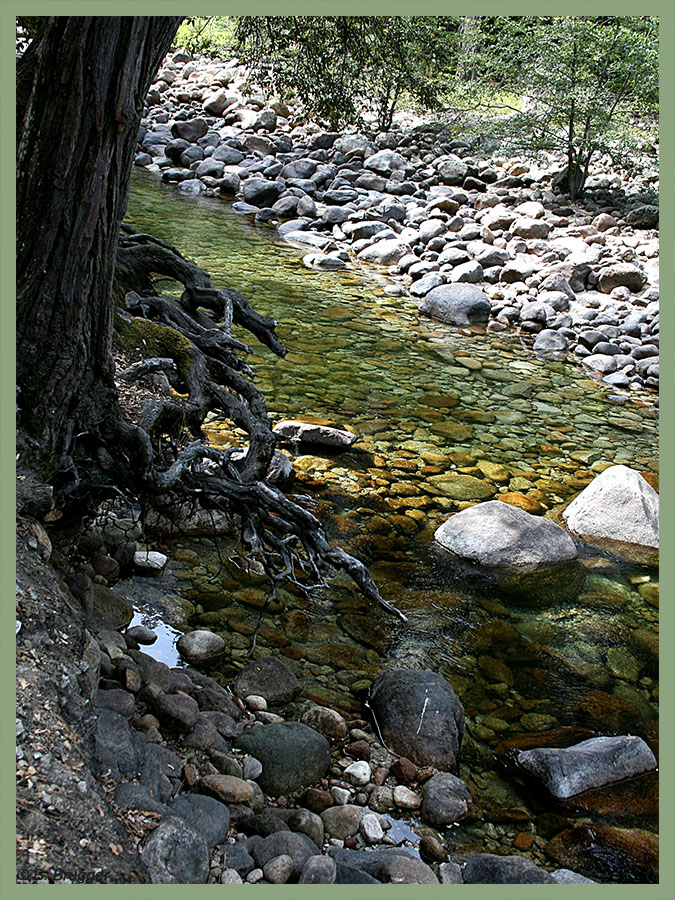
444	417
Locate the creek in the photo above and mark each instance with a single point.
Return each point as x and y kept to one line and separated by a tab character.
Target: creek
426	400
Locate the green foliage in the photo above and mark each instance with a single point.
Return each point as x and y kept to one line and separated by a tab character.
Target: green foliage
206	36
581	82
342	68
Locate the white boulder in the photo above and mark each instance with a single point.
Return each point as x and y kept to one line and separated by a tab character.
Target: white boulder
618	511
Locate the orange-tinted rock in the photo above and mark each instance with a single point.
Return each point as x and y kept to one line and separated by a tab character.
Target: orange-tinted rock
605	852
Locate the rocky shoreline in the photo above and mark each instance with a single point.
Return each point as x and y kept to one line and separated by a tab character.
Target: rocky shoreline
133	771
470	236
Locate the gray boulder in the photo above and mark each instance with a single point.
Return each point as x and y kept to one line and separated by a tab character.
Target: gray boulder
620	274
200	646
292	755
261	192
208	816
445	799
419	716
498	534
591	764
384	253
451	169
175	853
285	843
267	677
619	511
384	162
486	868
295	430
318	870
550	344
190	131
457	304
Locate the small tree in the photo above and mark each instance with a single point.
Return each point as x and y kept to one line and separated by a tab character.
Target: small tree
342	66
575	81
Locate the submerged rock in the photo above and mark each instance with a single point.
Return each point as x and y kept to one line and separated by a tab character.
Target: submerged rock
591	764
618	511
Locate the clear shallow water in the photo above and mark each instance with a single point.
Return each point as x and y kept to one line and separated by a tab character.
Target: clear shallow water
443	417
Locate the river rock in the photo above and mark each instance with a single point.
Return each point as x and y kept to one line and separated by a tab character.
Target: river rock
591	764
327	722
149	562
318	870
486	868
451	169
419	716
267	677
343	821
621	274
200	646
260	192
208	816
226	788
384	162
618	511
191	130
179	711
386	252
322	435
457	304
285	843
550	344
607	852
292	755
175	853
498	534
445	799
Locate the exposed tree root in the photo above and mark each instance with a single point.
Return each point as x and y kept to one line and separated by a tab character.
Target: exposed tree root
205	367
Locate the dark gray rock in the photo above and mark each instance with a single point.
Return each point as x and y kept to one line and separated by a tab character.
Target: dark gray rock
160	772
391	865
261	192
486	868
457	304
298	846
191	130
175	853
114	744
591	764
129	795
644	217
118	700
318	870
208	816
419	716
445	799
292	755
267	677
178	711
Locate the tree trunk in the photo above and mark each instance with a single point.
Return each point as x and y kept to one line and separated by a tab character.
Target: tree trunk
82	87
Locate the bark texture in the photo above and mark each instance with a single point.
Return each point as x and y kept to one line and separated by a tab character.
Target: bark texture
81	89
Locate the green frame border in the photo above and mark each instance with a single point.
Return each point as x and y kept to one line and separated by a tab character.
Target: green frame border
665	9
